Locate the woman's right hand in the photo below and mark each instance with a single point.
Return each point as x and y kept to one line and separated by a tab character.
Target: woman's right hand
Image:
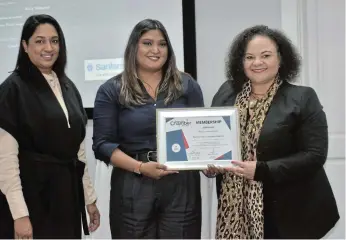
155	170
22	228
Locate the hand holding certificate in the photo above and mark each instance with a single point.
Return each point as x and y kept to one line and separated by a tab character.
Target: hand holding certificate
191	139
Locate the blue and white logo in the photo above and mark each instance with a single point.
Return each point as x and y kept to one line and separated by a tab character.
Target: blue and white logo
102	69
90	67
111	66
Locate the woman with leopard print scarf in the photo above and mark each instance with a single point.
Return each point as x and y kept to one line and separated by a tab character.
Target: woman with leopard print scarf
280	188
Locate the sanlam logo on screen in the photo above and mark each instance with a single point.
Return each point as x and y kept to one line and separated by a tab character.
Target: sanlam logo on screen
102	69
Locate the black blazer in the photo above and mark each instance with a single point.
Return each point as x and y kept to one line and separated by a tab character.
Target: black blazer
291	152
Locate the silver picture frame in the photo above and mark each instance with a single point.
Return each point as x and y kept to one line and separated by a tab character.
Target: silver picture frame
193	138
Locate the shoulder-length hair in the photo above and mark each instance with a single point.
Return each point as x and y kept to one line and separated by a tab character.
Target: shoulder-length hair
29	27
289	57
131	92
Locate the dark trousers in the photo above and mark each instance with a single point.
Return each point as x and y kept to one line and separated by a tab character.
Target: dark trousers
168	208
270	226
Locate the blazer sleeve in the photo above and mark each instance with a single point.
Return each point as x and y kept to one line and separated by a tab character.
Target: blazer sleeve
312	142
9	107
222	95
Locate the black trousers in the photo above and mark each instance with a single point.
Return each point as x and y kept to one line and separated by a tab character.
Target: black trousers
141	207
270	225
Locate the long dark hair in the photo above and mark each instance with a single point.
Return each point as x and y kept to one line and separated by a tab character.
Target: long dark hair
131	93
30	25
289	57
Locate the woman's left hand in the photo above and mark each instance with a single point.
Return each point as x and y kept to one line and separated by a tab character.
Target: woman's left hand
212	171
94	215
244	169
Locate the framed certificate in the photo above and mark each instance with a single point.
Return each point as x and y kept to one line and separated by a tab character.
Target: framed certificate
193	138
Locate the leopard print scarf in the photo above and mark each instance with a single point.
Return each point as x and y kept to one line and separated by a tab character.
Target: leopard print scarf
240	213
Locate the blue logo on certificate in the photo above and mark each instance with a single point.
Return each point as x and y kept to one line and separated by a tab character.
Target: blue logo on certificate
176	146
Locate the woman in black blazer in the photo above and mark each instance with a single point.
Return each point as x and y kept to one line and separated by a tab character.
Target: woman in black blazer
280	189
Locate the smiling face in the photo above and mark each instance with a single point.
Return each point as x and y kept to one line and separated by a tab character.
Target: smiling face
152	51
43	47
261	60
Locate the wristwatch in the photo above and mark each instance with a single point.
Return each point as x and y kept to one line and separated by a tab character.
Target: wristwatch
138	168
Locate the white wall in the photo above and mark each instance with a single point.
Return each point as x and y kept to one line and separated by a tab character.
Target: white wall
217	22
324	53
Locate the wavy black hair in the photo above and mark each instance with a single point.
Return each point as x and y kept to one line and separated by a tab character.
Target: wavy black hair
290	60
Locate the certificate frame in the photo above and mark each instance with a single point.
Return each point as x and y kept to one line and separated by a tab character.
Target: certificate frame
187	137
